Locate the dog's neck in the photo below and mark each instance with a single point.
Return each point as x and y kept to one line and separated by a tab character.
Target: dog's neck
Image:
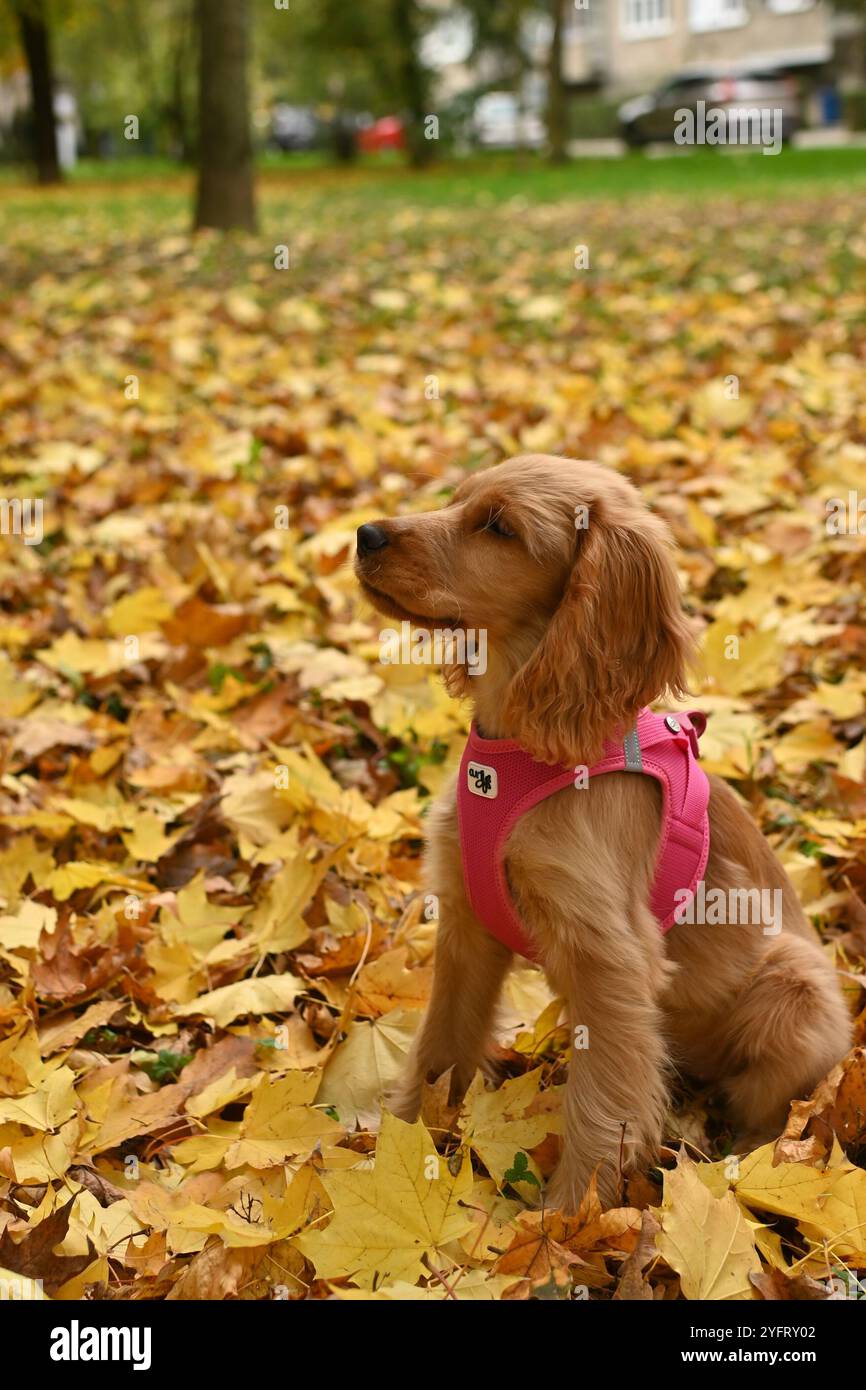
488	690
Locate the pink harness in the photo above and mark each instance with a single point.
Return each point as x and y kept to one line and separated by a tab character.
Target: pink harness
499	781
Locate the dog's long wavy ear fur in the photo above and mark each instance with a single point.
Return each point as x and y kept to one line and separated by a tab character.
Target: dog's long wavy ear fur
618	640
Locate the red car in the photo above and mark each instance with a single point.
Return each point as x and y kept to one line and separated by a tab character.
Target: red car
384	134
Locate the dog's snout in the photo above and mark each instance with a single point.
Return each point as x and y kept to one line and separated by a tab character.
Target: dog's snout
371	537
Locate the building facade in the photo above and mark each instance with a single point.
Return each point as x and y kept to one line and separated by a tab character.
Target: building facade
625	45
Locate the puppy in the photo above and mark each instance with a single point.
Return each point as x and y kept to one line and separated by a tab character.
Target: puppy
572	578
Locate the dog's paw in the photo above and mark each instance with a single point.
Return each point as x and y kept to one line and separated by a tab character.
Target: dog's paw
405	1103
568	1187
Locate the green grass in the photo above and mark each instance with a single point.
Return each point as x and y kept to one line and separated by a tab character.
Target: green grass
143	198
497	178
705	173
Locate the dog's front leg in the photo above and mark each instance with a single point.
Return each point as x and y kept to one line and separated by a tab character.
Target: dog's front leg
616	1092
469	968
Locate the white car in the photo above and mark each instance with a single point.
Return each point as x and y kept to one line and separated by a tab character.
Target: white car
499	123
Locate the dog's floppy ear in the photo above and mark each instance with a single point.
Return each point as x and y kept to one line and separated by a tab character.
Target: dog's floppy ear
617	641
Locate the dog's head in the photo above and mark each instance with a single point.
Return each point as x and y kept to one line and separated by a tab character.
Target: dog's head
572	578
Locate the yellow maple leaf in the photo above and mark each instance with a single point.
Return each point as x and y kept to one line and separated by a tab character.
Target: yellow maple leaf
705	1239
502	1123
147	839
366	1064
142	611
807	743
264	995
829	1204
21	1065
22	929
47	1108
277	920
22	858
202	924
386	1221
40	1157
281	1122
66	879
388	981
736	664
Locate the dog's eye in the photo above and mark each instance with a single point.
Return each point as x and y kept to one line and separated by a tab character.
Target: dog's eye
495	524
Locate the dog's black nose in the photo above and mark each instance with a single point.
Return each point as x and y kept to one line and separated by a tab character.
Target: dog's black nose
371	537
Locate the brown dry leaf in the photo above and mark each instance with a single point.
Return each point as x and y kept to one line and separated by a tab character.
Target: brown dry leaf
774	1285
535	1254
546	1251
33	1255
855	920
836	1107
67	1031
216	1273
142	1116
70	968
211	1063
437	1112
201	624
632	1285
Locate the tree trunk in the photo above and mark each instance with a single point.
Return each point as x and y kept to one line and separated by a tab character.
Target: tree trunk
343	140
177	113
36	42
225	156
412	80
557	101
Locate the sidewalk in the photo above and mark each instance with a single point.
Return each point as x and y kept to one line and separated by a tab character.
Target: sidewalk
824	138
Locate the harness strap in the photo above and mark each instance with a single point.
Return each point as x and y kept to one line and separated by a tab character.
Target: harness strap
499	782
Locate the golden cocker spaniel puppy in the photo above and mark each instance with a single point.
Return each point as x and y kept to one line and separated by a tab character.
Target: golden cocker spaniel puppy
571	578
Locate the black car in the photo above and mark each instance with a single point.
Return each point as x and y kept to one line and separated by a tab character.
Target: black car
697	102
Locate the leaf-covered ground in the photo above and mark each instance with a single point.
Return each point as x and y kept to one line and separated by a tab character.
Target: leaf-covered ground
213	943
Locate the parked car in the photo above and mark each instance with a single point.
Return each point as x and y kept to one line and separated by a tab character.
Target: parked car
385	134
500	123
294	127
656	116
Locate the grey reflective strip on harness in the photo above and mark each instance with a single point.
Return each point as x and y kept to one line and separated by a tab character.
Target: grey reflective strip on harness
631	749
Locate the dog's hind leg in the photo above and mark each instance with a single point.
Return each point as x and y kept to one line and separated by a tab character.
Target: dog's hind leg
787	1029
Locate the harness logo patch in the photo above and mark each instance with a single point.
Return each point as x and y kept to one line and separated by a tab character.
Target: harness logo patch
482	781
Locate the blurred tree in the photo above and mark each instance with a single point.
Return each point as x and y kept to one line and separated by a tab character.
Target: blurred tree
557	99
321	54
226	195
519	38
132	57
176	105
33	25
164	44
500	38
854	40
412	78
346	59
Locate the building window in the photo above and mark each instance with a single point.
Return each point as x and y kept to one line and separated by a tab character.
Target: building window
646	19
705	15
582	21
790	6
